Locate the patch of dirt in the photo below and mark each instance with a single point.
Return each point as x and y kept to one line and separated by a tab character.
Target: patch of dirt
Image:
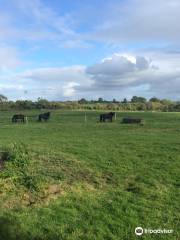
52	192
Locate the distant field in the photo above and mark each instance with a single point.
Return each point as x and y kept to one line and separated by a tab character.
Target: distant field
89	180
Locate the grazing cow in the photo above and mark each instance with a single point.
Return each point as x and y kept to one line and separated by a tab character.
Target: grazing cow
44	117
19	118
132	120
107	116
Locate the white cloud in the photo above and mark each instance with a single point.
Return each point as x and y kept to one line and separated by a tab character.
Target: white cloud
119	75
9	58
51	83
36	21
118	65
130	74
54	74
137	21
68	90
119	71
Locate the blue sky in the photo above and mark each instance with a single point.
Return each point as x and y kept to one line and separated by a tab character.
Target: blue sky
63	50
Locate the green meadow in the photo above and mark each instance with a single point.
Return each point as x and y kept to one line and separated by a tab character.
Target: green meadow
72	179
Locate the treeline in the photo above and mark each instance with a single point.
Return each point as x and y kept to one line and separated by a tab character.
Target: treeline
135	104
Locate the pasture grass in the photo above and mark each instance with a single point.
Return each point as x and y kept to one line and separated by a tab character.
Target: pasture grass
71	179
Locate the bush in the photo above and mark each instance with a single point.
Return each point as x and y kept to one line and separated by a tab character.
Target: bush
17	166
18	155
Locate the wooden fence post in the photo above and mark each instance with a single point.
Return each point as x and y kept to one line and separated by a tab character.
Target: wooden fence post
85	117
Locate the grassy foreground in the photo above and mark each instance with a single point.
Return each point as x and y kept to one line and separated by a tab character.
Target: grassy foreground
71	179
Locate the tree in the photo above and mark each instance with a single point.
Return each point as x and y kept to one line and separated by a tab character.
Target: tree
154	99
82	101
42	103
114	100
166	101
124	100
100	100
135	99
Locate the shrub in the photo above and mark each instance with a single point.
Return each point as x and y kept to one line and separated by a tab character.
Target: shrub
17	166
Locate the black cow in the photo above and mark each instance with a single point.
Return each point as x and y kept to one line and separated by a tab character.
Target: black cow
19	118
107	116
132	120
44	116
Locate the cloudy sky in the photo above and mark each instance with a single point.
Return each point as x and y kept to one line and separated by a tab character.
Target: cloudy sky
69	49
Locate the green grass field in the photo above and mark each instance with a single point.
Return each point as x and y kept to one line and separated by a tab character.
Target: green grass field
89	180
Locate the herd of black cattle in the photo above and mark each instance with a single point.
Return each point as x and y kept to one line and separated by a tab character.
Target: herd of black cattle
102	118
23	119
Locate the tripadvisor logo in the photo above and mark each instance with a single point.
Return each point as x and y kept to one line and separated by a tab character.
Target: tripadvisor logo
139	231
